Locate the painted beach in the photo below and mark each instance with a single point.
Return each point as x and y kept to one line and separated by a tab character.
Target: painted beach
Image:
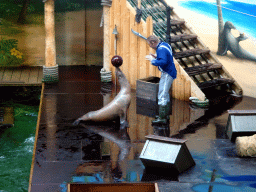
202	17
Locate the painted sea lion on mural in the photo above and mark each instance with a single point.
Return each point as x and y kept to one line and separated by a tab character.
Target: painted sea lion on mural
118	107
227	41
231	44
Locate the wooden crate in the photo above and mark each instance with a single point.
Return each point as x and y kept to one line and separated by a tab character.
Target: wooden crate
147	88
114	187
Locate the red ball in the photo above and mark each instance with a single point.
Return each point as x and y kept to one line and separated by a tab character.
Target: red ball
117	61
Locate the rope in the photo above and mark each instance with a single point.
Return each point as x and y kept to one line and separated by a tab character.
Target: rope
106	76
199	103
50	74
236	11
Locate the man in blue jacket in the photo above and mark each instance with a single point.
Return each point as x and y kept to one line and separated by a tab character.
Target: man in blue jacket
164	61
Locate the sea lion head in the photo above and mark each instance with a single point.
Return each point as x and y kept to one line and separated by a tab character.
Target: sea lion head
119	74
229	25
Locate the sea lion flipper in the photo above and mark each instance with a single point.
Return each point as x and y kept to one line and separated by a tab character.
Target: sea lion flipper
124	125
76	122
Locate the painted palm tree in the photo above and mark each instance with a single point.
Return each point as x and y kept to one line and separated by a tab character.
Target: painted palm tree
23	12
221	46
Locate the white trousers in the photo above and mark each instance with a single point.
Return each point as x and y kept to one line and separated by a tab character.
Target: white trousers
165	84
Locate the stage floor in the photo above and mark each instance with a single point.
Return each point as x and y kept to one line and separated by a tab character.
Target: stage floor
100	153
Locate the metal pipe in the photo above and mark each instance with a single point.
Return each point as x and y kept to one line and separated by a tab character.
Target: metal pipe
168	30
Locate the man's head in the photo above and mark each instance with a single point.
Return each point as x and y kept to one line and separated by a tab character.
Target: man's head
153	41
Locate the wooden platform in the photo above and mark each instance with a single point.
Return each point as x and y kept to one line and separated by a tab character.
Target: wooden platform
21	76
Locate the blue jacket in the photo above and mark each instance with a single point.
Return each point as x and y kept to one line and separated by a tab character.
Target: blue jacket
164	59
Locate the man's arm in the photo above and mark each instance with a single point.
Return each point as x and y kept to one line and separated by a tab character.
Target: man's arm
161	59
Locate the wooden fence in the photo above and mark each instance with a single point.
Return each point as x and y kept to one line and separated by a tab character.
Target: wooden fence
134	49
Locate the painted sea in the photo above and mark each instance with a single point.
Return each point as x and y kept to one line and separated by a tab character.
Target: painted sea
242	13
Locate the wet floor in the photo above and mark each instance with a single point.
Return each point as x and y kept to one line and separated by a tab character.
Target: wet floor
101	153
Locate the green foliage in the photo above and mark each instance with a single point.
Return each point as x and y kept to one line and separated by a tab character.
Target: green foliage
8	28
73	6
9	54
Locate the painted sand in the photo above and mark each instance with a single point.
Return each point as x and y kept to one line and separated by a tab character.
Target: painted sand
206	27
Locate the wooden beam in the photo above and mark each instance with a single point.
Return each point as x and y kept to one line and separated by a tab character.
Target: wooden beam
106	32
50	47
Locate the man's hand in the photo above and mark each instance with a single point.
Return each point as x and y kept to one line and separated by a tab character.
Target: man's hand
154	55
149	57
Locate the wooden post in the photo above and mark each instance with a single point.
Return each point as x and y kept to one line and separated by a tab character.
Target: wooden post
50	69
106	45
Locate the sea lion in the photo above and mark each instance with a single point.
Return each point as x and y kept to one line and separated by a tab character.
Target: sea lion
118	107
231	44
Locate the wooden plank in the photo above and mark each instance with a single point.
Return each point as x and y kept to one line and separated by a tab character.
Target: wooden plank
173	23
132	118
186	113
182	37
133	51
182	88
16	75
215	83
202	68
106	37
2	69
25	75
177	22
139	51
40	76
190	52
142	51
117	22
126	38
181	114
176	84
7	76
187	90
142	126
33	78
36	137
112	36
174	128
151	68
114	187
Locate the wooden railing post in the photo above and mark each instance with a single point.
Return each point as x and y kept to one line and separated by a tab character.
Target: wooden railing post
50	70
106	73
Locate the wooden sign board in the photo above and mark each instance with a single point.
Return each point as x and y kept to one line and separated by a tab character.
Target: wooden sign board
241	123
114	187
164	152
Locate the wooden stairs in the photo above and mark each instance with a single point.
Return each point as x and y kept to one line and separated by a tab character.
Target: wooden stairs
188	50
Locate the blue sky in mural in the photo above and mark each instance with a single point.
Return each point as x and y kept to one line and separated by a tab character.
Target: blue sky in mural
242	13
